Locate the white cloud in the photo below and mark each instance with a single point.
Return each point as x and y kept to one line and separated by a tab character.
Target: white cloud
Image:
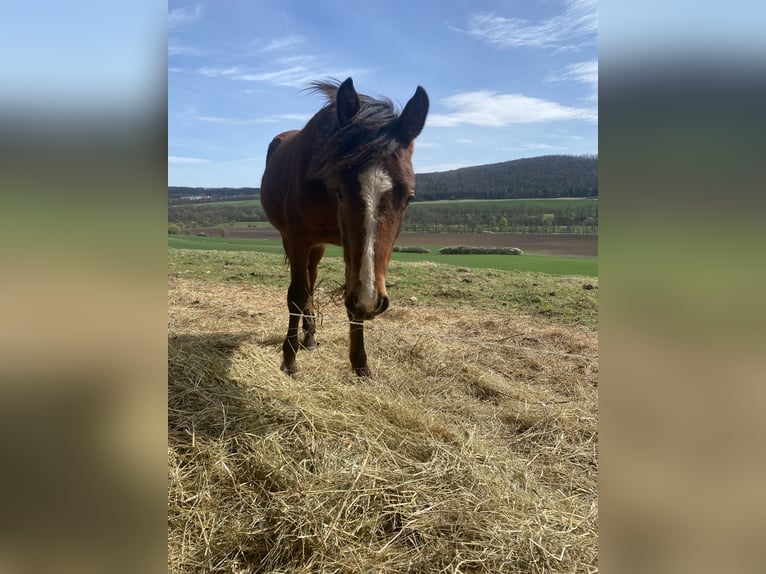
447	166
285	42
465	141
250	121
292	117
487	108
577	24
230	121
286	76
585	72
538	147
299	59
185	15
176	160
216	72
176	48
298	76
425	144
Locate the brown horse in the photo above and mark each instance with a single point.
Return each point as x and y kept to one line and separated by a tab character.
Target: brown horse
346	178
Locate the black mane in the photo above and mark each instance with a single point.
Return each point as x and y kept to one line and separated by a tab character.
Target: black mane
371	134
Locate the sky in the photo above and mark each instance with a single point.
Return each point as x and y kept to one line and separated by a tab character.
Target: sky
506	79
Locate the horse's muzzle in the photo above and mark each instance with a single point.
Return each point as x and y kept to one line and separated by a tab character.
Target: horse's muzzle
359	312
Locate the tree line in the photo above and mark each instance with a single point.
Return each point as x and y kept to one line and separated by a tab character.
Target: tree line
550	217
552	176
202	215
522	217
548	176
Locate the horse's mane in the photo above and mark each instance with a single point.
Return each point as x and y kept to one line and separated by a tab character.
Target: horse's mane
369	135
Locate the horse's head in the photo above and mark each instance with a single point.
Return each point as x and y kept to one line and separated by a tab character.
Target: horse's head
373	197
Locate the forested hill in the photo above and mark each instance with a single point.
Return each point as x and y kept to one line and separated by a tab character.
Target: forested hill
534	177
544	176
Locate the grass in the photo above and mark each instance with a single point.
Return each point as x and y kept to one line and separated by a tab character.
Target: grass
469	450
567	299
527	263
224	244
533	263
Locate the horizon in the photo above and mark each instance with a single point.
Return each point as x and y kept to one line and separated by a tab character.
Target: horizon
505	82
584	155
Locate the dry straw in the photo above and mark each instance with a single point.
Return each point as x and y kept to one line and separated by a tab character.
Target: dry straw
454	457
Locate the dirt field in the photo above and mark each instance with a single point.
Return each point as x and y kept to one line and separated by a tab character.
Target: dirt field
562	245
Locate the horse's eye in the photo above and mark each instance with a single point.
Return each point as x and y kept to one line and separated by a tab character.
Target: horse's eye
409	199
339	194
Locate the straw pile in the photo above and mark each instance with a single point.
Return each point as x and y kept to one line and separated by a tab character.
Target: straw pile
454	457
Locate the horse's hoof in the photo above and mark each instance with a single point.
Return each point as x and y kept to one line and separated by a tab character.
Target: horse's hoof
309	345
289	370
362	372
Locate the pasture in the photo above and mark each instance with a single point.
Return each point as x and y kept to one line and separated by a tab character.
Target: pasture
541	264
473	447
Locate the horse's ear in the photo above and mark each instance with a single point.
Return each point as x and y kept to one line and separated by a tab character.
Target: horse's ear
347	102
413	116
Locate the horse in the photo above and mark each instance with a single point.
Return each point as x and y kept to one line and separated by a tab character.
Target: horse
345	179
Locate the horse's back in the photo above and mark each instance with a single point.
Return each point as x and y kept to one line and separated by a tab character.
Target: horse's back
295	203
279	140
275	178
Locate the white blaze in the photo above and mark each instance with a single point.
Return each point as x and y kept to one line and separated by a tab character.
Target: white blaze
374	181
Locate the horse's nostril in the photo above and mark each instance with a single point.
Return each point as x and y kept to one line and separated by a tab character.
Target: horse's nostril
351	303
382	304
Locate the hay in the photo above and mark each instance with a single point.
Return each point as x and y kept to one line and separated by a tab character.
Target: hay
455	457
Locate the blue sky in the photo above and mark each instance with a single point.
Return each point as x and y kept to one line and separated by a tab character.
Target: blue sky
506	79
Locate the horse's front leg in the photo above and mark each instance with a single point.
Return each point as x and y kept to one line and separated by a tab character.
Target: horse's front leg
296	301
356	352
309	313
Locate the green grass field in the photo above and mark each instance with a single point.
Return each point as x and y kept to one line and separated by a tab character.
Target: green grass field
533	263
556	297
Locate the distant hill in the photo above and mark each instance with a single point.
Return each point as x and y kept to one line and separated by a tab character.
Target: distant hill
181	195
535	177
